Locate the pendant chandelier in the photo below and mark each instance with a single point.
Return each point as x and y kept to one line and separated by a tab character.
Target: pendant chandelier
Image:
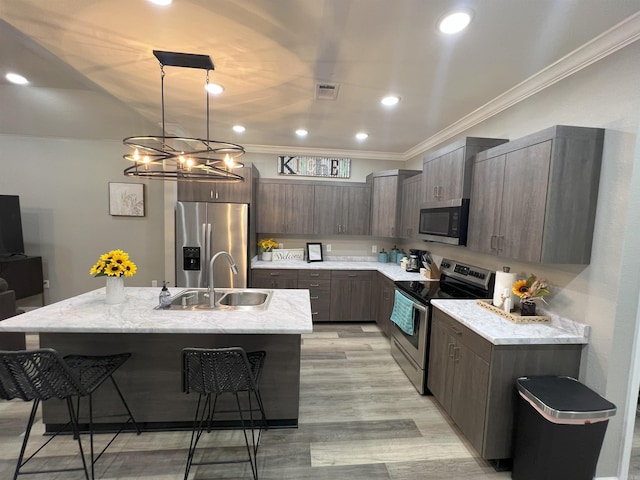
183	158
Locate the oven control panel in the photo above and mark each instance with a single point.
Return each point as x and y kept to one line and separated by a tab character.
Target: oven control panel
468	273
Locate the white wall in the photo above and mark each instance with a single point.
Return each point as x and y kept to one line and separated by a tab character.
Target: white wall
603	294
59	150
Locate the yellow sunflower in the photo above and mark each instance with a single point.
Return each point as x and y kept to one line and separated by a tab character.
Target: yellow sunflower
115	263
520	288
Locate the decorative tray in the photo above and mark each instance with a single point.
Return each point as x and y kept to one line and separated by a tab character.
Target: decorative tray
514	316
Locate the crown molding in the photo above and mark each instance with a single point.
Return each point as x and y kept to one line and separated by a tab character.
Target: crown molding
324	152
612	40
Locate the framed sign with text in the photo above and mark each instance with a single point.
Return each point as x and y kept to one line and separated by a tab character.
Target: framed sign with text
295	165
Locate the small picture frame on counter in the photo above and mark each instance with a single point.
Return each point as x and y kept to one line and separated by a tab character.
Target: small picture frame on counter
314	252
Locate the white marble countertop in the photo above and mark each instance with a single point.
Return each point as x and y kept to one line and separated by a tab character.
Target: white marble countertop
390	270
289	312
500	331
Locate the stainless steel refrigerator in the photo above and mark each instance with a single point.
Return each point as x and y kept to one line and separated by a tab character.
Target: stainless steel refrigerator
202	230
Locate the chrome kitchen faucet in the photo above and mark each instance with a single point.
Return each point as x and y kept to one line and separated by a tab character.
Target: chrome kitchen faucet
234	269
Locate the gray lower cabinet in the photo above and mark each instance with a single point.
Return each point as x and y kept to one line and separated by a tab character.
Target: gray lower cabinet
284	207
351	295
534	199
221	192
318	282
274	278
382	301
342	209
474	380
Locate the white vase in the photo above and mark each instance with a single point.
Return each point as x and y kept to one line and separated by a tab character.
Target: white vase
115	290
267	256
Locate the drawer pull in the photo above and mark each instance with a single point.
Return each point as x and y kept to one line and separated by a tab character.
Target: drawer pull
315	298
314	285
353	275
314	274
274	274
456	331
314	313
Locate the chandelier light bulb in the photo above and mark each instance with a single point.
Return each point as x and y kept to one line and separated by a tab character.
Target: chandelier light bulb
136	155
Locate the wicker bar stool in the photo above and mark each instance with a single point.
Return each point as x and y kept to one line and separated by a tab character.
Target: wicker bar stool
37	375
213	372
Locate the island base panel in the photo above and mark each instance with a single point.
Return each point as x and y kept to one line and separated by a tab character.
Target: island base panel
151	380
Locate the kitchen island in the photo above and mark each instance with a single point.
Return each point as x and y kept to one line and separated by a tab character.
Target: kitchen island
152	378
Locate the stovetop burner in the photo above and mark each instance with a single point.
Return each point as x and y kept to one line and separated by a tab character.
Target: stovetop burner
457	280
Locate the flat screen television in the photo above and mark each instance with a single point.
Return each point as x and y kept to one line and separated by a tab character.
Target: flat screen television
11	241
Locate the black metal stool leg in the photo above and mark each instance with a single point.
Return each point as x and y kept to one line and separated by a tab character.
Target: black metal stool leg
126	406
198	428
76	434
34	408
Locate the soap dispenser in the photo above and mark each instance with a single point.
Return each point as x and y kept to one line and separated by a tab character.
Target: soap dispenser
165	296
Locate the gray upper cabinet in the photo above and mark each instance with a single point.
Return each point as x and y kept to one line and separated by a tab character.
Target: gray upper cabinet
222	192
410	211
446	173
534	199
284	207
342	209
386	201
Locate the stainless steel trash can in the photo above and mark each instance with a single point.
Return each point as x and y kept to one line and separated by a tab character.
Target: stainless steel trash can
559	430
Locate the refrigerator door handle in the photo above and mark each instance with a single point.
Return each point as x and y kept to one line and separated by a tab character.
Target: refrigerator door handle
209	252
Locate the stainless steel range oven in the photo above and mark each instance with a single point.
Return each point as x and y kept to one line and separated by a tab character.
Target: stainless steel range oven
457	281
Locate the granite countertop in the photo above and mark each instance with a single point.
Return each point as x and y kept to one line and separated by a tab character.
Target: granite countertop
289	312
500	331
390	270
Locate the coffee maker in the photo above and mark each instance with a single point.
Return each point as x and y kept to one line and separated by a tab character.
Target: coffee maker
415	260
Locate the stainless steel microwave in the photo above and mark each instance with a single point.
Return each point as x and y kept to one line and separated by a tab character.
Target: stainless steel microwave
445	224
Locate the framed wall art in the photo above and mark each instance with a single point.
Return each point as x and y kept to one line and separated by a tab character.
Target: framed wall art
126	199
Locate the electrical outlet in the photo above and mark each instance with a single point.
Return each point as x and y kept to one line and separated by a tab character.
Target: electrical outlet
328	247
374	249
45	284
154	283
281	246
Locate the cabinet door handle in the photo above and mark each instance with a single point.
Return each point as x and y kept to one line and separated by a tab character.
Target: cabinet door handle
500	243
456	354
494	243
435	191
456	331
450	350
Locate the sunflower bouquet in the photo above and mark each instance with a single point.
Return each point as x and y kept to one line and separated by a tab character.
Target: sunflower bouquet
267	244
115	263
531	289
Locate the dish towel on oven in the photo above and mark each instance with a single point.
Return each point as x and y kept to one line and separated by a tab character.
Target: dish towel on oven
402	314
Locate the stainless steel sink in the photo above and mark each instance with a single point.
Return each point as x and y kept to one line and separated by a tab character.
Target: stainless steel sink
225	299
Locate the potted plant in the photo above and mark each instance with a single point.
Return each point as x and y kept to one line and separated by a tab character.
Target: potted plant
266	246
530	290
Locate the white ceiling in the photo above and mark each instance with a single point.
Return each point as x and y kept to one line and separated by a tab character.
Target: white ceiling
269	55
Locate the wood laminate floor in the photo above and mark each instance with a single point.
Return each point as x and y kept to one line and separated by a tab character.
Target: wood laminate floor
360	418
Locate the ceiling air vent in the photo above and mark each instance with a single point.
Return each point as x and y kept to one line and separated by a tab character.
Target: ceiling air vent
326	91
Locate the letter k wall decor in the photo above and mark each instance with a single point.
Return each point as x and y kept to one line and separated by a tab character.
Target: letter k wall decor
293	165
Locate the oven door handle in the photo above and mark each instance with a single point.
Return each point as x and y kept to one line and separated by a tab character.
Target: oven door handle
420	308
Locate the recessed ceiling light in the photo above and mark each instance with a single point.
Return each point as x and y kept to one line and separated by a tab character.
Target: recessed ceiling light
362	135
238	128
301	132
390	100
161	2
214	88
17	79
454	22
